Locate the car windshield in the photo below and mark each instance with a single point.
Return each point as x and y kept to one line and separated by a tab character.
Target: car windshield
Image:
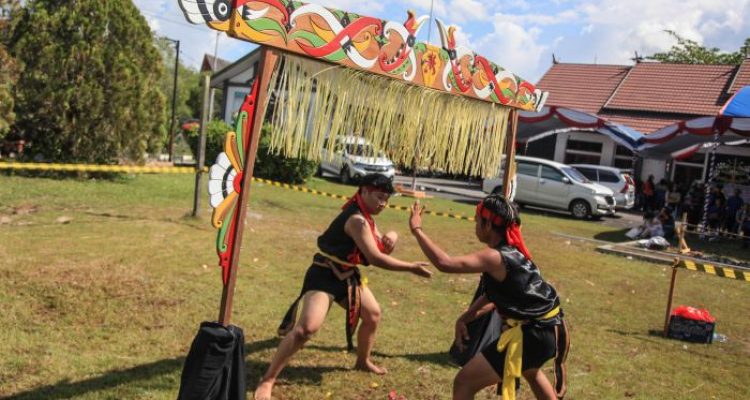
360	149
575	175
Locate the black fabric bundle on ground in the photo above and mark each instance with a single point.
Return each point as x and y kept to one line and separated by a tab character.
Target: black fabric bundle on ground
215	367
482	331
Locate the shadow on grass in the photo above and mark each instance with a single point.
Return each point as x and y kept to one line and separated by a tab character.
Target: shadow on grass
442	358
187	220
616	236
65	389
654	334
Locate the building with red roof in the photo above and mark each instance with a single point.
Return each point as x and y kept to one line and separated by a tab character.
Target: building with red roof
646	96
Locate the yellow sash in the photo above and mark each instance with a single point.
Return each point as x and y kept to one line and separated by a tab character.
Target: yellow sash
511	340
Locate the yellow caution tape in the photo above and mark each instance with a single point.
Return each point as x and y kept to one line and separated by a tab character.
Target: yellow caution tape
338	196
188	170
723	272
98	168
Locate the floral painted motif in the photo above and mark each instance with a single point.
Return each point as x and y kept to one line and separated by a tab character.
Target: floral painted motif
225	181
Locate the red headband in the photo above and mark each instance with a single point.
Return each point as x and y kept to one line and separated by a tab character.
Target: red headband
512	230
489	215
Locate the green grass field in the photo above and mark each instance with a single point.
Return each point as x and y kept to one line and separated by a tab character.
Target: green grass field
103	286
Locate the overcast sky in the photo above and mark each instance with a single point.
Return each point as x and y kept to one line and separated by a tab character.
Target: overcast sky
520	35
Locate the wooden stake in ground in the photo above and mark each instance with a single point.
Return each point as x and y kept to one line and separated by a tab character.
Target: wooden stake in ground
201	148
671	296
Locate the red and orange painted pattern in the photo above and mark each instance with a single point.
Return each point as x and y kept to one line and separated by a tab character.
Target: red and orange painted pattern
370	44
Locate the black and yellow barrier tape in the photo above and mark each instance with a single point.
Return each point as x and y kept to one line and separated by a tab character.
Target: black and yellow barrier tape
338	196
189	170
724	272
132	169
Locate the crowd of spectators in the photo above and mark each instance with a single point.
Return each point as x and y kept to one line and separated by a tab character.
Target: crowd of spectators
663	202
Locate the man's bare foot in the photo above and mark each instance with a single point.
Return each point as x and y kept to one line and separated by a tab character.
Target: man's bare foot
263	391
369	366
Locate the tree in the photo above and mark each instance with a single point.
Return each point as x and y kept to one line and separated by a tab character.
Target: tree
89	91
687	51
9	68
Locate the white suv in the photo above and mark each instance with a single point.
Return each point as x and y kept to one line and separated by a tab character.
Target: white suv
354	157
620	182
551	184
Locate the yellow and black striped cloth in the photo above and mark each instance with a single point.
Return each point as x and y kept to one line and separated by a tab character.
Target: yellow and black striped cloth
724	272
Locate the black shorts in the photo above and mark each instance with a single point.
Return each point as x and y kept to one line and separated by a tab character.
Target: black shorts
323	279
539	346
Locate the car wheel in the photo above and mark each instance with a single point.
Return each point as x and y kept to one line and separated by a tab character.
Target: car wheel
346	177
580	209
319	172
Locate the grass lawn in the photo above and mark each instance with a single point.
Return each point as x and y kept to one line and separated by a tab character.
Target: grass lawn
103	286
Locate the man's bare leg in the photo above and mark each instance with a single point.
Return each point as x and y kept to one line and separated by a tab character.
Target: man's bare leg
314	311
476	375
540	385
370	314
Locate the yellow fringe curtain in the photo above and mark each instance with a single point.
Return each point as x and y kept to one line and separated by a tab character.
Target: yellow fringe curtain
314	101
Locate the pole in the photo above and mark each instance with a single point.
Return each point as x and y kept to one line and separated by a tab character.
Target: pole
709	184
417	153
213	91
174	98
268	59
510	152
671	295
201	148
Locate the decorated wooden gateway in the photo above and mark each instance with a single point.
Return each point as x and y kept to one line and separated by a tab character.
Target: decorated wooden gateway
333	73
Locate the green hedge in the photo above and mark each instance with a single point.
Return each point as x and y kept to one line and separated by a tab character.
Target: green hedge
267	165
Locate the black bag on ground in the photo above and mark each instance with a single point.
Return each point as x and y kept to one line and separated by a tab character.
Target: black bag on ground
482	331
215	367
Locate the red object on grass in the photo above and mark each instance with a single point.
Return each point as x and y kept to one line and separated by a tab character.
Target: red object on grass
695	314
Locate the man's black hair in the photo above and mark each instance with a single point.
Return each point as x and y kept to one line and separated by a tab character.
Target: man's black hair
502	207
379	181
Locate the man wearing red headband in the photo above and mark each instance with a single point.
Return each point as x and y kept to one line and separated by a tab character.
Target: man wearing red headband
350	241
534	330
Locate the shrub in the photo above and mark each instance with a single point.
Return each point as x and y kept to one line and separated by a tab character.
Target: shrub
267	165
279	168
216	133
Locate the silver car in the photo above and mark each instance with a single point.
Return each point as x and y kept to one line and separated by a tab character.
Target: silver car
620	182
354	157
551	184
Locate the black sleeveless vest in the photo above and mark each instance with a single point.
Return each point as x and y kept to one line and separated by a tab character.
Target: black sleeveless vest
523	295
335	241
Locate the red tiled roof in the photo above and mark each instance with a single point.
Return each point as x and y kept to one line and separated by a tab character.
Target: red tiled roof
584	87
674	88
742	78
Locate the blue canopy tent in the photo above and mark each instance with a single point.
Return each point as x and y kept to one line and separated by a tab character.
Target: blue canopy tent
738	105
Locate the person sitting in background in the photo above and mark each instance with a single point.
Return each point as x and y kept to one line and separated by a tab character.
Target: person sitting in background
650	227
667	223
